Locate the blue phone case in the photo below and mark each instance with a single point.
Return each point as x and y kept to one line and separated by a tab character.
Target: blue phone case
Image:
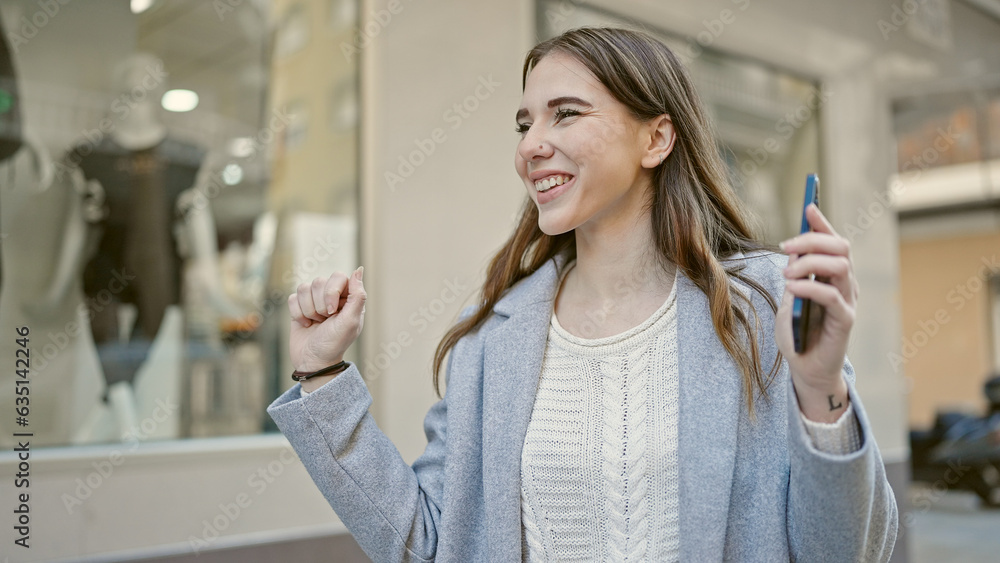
801	307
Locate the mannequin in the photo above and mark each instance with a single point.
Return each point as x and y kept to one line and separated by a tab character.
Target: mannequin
142	173
43	220
197	244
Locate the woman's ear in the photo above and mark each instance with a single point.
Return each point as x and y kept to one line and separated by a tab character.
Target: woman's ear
661	141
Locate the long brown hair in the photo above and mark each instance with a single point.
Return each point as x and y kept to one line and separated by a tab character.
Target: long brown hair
697	219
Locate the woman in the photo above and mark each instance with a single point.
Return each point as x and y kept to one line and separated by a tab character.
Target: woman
627	386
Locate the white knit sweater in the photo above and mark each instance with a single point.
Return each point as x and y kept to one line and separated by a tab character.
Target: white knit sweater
599	462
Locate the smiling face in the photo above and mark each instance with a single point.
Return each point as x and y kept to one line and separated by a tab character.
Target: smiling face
589	156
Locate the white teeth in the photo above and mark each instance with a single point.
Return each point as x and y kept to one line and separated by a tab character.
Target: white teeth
550	182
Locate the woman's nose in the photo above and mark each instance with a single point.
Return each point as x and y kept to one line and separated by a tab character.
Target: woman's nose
533	145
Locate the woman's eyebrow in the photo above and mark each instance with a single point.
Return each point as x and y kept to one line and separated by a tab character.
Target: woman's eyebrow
523	112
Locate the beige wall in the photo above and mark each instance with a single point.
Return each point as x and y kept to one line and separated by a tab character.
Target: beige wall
946	326
426	240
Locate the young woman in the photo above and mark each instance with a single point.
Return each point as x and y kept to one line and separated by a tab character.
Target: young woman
627	387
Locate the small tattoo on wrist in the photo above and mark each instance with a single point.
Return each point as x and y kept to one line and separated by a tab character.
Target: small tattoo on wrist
834	407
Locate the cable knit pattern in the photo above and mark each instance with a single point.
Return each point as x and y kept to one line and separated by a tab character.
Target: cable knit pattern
625	402
599	462
841	437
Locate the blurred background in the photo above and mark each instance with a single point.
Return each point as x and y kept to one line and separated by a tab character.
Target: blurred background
171	169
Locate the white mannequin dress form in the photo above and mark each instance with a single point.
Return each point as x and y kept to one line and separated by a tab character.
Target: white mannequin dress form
43	225
42	228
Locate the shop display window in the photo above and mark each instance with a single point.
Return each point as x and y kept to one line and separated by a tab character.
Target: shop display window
171	170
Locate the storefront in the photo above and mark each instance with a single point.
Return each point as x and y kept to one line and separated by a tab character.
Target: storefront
278	141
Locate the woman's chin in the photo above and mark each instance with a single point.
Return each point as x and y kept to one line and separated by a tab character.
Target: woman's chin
553	227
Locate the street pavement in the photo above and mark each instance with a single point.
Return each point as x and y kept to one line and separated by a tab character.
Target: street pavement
950	527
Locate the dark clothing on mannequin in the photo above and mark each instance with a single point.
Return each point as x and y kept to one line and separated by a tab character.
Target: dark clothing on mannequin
141	190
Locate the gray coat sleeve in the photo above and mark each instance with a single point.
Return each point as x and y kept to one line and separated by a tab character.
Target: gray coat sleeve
392	509
840	507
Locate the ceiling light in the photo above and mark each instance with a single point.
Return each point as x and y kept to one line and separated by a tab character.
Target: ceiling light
179	100
232	174
140	6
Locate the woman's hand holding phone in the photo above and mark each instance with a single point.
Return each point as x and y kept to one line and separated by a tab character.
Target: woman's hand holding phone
816	372
327	317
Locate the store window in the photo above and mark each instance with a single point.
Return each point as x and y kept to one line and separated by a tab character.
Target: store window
766	120
170	171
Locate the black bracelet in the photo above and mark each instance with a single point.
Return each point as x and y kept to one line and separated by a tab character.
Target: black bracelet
335	368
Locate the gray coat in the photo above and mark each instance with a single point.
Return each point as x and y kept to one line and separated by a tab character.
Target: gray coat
749	491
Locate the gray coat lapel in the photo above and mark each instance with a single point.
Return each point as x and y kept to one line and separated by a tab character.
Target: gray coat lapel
707	430
512	358
710	402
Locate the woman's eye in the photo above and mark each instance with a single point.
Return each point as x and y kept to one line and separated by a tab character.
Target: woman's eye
563	113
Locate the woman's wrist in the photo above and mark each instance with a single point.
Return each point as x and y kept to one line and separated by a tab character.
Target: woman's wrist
314	383
310	365
822	404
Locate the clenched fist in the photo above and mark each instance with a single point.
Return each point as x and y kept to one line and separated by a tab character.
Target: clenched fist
327	317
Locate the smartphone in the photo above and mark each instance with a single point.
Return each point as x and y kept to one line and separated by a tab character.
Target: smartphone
802	315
